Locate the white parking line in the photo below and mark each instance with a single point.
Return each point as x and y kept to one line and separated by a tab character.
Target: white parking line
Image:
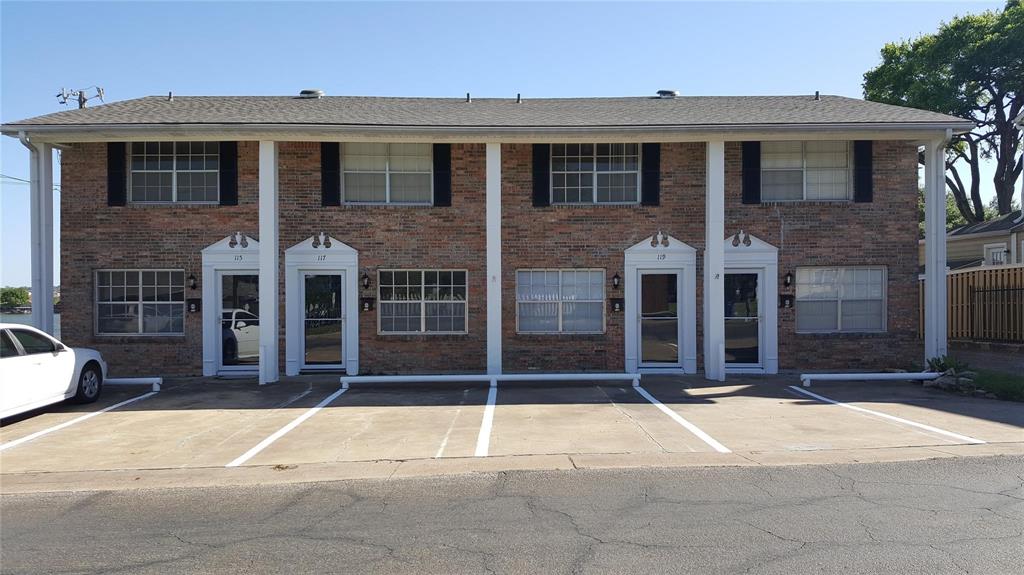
447	434
822	398
281	432
483	441
48	430
679	419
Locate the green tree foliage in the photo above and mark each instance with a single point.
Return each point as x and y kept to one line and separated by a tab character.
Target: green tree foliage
973	68
14	296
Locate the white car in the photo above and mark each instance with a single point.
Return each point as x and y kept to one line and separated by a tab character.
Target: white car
37	370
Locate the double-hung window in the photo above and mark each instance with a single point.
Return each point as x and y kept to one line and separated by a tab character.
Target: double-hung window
560	301
387	173
164	172
422	301
813	170
595	173
843	299
140	302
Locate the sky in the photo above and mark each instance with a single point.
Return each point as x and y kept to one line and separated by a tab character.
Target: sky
490	49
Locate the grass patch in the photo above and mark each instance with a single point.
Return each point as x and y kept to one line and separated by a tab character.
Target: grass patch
1005	385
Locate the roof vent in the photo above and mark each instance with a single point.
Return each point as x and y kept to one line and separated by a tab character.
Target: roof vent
667	94
311	94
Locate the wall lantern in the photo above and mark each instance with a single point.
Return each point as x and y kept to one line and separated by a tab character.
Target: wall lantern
616	281
191	281
788	280
366	281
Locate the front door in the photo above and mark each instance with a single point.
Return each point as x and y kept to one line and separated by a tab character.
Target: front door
323	320
743	319
239	320
660	334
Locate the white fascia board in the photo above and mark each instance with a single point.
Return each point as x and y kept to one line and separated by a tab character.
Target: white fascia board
504	134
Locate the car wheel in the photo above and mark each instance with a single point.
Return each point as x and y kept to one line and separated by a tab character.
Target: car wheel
90	383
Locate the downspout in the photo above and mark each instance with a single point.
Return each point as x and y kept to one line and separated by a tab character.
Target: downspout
35	238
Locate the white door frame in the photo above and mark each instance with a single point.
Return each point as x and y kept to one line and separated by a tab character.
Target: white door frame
320	254
305	273
753	255
662	253
219	275
680	324
235	253
759	366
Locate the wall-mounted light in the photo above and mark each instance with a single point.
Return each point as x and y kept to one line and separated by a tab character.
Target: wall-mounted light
616	281
365	279
191	281
788	280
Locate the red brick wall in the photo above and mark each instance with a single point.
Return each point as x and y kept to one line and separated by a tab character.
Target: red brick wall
94	235
394	237
883	232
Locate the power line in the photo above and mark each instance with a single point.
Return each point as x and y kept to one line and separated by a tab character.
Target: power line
56	187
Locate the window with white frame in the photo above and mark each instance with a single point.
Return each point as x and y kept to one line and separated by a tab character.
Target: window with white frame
140	302
995	254
560	301
187	172
595	173
422	301
813	170
387	173
840	299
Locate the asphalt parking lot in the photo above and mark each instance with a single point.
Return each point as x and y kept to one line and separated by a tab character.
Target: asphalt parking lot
226	424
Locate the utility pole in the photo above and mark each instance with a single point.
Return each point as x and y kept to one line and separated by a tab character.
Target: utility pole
80	95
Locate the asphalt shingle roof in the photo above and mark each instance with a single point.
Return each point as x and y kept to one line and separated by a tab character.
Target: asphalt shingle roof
1003	223
696	111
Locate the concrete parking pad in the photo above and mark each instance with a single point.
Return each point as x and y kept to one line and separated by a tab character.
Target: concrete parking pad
201	424
385	422
549	419
37	420
752	414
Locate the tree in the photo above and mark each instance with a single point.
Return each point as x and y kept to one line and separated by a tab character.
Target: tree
973	68
954	219
13	297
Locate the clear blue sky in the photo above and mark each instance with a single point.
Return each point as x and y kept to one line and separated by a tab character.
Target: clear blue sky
421	49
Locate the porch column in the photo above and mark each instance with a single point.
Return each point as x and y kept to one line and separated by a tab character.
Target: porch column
41	226
714	263
268	286
935	249
493	258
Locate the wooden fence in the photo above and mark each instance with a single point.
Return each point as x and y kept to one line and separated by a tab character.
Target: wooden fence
985	304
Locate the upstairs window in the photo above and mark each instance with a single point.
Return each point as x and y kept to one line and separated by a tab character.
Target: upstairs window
814	170
595	173
169	172
387	173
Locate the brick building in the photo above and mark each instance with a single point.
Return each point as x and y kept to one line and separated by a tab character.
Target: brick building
416	235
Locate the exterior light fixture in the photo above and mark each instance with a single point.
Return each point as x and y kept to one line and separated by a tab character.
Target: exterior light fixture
616	281
788	280
191	281
366	280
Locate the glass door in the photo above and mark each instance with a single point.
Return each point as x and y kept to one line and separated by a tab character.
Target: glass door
743	319
239	320
323	322
660	337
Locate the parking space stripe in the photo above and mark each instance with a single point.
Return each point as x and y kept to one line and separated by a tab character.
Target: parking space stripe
48	430
483	441
679	419
292	425
822	398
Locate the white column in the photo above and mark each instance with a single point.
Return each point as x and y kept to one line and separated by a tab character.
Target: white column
269	295
493	258
714	263
935	249
41	226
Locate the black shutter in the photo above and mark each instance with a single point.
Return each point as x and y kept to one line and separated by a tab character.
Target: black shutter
330	174
650	175
863	188
541	175
751	172
117	179
442	174
229	173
